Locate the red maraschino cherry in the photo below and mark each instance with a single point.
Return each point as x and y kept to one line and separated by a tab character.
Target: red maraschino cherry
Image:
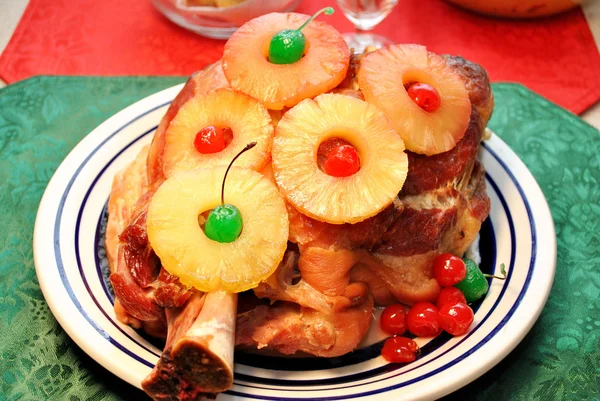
342	161
210	139
425	96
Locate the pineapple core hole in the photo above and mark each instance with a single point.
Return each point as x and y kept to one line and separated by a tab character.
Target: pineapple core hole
227	134
213	139
326	147
202	217
429	101
408	84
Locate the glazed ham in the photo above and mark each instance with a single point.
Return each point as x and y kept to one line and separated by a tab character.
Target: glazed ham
321	298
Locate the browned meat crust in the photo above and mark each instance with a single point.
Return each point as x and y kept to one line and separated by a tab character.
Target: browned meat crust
477	83
427	173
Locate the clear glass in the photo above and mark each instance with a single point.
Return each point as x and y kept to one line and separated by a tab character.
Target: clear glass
365	15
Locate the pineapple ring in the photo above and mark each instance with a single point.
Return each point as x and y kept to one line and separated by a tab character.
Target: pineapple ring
247	118
186	252
382	76
322	68
338	200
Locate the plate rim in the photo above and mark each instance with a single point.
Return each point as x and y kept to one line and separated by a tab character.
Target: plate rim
162	98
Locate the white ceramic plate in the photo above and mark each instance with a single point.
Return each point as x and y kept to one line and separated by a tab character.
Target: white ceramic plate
71	269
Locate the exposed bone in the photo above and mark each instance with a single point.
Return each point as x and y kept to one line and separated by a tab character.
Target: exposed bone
180	320
198	357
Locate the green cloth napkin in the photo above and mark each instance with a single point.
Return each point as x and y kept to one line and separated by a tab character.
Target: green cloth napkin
43	118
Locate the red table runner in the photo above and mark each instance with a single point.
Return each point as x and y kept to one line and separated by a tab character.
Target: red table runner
556	57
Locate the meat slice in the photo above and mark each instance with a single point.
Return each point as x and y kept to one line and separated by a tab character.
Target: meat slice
408	278
330	277
140	259
419	225
286	328
307	320
168	290
289	328
128	186
142	287
136	300
306	231
427	173
287	284
473	209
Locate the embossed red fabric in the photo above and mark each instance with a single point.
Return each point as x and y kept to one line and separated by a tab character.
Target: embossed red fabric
556	57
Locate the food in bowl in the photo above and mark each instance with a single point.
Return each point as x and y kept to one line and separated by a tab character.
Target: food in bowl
213	3
219	18
280	203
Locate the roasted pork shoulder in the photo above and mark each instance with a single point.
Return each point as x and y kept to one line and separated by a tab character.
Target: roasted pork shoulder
321	298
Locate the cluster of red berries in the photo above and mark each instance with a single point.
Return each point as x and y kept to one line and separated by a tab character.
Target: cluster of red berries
450	313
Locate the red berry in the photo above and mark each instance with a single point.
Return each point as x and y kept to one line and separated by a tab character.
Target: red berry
399	349
425	96
449	270
450	295
393	319
342	161
423	320
456	318
210	140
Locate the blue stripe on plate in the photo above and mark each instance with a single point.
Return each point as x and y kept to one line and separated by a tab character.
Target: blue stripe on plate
100	256
77	255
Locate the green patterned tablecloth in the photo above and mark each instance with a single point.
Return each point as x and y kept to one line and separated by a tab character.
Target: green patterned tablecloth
43	118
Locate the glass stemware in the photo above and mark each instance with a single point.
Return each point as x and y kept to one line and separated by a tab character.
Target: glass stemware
365	15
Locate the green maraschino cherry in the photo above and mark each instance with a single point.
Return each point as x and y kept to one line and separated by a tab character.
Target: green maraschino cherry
224	223
475	284
288	46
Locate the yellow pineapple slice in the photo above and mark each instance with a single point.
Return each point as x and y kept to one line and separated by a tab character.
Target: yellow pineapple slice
322	68
248	120
382	77
338	200
186	252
